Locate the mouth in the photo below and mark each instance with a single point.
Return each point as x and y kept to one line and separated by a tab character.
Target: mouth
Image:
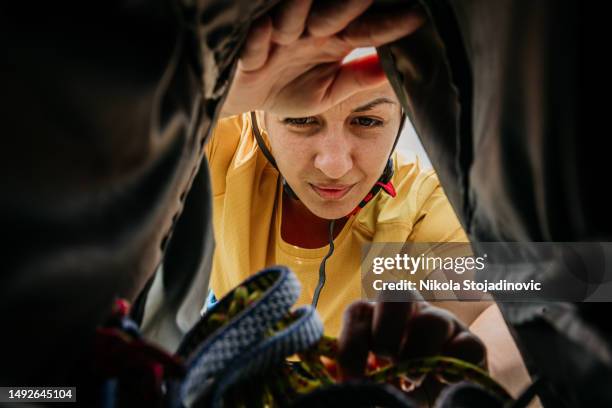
331	192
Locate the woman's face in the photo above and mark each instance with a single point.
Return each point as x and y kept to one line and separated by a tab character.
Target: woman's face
332	160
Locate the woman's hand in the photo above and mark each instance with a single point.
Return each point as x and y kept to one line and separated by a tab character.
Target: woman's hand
291	63
401	331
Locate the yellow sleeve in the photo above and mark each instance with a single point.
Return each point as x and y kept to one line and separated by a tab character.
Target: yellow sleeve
436	220
221	148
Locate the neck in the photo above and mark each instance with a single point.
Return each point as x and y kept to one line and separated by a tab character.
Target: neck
302	228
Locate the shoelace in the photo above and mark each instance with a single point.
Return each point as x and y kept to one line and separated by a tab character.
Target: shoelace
246	332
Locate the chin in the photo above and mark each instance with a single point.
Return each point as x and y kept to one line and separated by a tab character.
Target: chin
328	215
331	211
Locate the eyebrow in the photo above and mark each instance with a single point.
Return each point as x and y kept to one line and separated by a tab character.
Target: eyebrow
372	104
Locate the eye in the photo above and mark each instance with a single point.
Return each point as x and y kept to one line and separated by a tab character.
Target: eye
367	122
300	122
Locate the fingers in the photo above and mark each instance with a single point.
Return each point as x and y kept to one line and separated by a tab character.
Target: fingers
289	20
257	46
354	342
390	319
403	331
468	347
330	17
427	334
376	29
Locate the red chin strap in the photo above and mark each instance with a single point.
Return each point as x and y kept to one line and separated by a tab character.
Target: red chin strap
387	187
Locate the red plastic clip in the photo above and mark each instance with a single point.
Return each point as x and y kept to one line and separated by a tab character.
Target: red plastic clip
388	187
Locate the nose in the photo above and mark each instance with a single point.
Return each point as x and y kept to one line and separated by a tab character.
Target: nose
334	154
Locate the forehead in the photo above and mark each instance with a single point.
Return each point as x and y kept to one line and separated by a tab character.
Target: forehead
364	97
